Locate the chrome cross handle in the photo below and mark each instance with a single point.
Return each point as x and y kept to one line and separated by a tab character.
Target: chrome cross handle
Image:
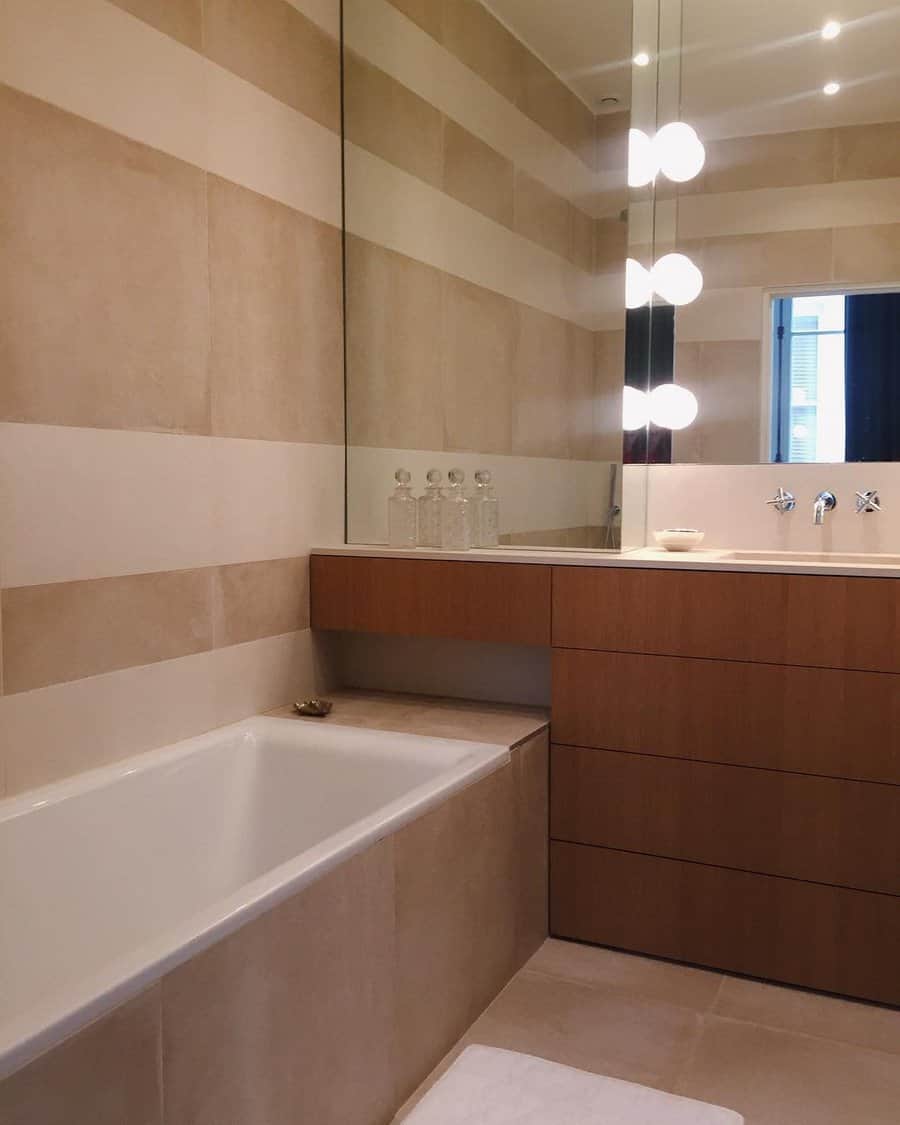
783	501
868	501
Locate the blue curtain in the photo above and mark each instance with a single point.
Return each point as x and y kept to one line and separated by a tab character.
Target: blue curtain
872	355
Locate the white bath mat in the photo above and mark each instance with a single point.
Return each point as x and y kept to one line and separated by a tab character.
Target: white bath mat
487	1086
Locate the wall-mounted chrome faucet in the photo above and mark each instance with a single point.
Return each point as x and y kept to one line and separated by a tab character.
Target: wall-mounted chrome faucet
868	501
825	502
783	501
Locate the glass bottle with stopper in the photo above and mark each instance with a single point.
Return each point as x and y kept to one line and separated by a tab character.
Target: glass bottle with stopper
430	510
402	521
487	511
455	514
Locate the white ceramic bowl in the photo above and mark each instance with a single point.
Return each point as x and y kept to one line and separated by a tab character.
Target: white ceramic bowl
679	538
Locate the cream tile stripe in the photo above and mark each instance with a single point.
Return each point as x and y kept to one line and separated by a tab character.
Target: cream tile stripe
394	209
56	731
112	503
97	61
848	203
391	41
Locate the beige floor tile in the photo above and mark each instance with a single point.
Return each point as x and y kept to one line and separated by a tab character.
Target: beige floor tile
275	282
775	1078
793	1009
660	982
107	1074
595	1029
273	45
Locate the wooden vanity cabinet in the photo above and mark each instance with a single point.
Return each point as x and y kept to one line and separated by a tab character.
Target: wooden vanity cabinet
725	775
505	603
725	780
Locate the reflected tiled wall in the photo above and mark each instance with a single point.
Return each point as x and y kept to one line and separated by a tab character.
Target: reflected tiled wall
477	199
821	206
171	401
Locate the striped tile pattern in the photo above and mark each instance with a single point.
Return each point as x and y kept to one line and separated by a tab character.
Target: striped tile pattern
171	399
816	207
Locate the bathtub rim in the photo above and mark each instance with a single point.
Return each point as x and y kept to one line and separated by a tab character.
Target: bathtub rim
32	1033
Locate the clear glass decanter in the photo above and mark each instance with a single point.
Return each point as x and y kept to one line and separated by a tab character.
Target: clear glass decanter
402	521
487	511
455	514
430	510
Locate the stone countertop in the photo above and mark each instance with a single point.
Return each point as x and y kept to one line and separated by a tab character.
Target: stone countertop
647	558
431	716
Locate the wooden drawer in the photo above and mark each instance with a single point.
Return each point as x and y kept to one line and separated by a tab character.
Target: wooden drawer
507	603
809	720
819	829
824	622
807	934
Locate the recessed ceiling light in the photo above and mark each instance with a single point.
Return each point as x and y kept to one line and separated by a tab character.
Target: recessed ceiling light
831	30
831	88
642	59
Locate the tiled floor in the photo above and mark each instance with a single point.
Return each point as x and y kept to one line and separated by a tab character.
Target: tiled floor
776	1055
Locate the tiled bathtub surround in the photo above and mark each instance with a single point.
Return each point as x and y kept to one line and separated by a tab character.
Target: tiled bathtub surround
334	1006
171	400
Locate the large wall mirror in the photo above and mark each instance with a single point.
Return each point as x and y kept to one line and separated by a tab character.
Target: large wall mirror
792	349
486	152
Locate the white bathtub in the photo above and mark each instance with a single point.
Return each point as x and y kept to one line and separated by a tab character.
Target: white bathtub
111	879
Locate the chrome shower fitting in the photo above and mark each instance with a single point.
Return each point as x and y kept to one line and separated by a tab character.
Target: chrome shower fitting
868	501
783	501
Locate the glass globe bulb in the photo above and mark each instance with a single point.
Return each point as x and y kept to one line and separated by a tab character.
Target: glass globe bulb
638	284
635	409
672	407
642	159
679	151
676	279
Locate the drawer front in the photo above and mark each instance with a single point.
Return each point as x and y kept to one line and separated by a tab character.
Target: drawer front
824	622
808	720
507	603
806	934
819	829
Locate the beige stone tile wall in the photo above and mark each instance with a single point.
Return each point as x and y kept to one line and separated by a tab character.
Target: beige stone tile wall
334	1006
473	363
171	395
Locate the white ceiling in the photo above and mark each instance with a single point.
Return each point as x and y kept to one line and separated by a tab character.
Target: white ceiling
586	42
749	66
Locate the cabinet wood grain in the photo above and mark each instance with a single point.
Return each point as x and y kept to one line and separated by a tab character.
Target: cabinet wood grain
507	603
813	620
818	829
827	938
808	720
